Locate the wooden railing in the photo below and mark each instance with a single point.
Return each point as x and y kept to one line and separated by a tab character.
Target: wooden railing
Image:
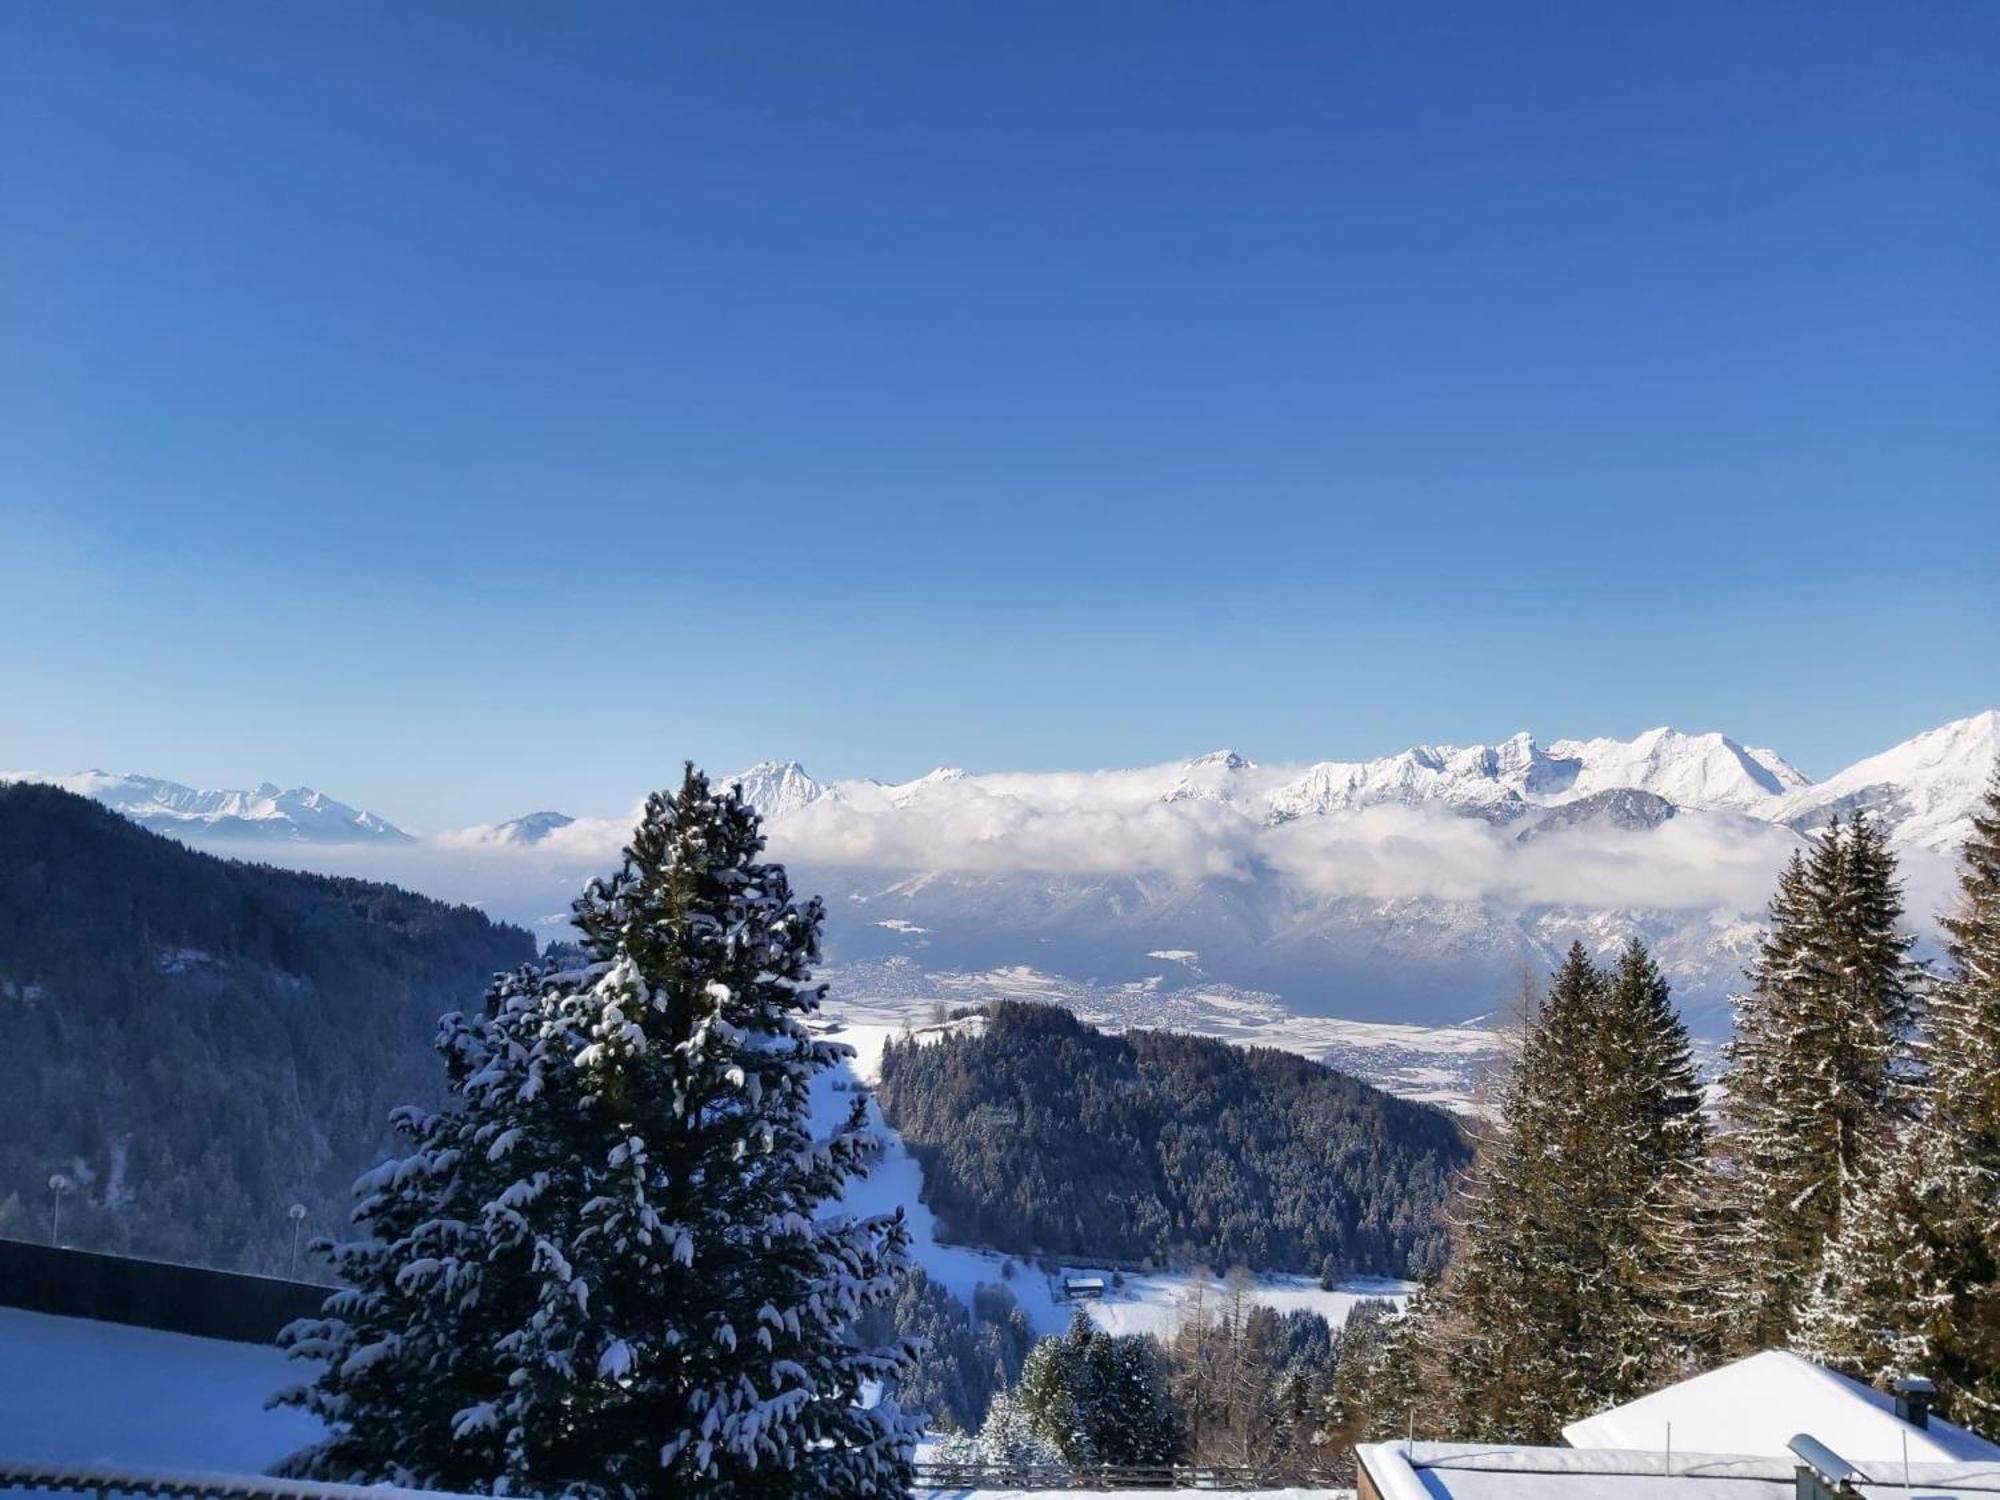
111	1483
991	1476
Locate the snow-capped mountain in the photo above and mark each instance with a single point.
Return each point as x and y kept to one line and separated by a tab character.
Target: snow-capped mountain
1706	771
299	815
1418	887
776	788
531	828
1924	788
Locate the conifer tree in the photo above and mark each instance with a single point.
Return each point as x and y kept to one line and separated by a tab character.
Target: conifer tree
1654	1147
1574	1284
1513	1324
1009	1439
1911	1284
1100	1399
609	1268
1821	1072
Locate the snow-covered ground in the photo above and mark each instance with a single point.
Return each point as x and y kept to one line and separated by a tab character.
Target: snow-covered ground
1143	1304
74	1391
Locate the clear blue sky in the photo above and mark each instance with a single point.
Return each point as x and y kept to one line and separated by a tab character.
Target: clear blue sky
475	407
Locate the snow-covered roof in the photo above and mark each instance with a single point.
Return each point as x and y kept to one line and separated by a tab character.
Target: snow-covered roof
1757	1405
1476	1471
76	1391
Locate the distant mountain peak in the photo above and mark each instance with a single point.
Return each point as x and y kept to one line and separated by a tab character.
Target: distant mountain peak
1926	787
777	788
264	814
1227	760
531	828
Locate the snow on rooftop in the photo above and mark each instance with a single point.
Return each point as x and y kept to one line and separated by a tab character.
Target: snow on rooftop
1757	1405
75	1391
1476	1471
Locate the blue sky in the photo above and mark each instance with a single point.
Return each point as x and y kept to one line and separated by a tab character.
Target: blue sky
469	408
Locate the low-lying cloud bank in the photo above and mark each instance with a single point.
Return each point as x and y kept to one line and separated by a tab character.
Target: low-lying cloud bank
1693	862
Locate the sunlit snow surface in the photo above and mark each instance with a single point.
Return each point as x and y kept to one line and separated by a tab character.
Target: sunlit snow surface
74	1391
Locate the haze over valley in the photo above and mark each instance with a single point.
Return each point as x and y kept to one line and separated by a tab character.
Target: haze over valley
1217	893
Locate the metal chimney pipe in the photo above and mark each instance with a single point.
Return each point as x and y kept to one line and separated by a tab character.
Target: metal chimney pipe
1914	1397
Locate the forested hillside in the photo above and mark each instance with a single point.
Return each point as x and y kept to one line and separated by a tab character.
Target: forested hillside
198	1043
1039	1134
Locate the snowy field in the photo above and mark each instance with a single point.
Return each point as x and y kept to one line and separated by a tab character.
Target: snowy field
77	1392
1145	1303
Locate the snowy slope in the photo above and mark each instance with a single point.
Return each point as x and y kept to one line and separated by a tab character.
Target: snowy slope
1708	771
1924	788
74	1391
300	815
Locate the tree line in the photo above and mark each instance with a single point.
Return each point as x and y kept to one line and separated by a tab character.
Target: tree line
1041	1135
1844	1201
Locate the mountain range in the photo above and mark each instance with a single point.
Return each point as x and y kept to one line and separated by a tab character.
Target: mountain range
1924	788
299	815
1418	887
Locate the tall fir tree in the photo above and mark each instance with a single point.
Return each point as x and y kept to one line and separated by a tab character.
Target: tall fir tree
1912	1282
1821	1073
1574	1285
1654	1219
1513	1324
613	1268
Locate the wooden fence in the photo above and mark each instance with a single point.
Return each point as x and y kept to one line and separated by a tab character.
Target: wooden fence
990	1476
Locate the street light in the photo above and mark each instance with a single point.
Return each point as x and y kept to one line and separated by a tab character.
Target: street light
297	1214
58	1185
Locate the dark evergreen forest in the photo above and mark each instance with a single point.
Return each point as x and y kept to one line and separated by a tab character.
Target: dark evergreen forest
1041	1135
197	1043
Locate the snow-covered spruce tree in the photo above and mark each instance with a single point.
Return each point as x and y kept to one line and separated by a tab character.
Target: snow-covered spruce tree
1821	1072
1654	1219
1100	1399
1008	1438
622	1228
1911	1284
1518	1336
1575	1273
408	1344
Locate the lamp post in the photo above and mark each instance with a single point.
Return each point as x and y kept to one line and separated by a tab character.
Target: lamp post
297	1214
58	1185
